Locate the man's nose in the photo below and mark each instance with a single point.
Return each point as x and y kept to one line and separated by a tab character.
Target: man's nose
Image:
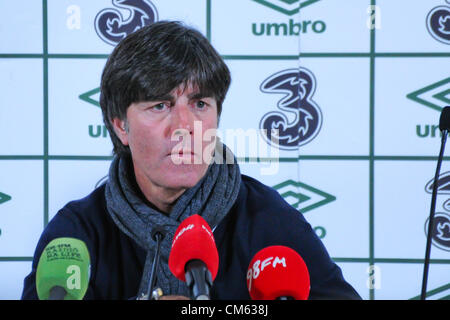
182	119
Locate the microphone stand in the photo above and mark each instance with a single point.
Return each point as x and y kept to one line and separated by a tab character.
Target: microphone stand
158	237
431	219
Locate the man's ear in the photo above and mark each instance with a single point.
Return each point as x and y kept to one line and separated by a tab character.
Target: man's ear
120	128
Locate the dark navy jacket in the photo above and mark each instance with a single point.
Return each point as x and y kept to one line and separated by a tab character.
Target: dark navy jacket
259	218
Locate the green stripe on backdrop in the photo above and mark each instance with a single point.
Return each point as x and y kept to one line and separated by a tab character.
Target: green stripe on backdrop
45	115
246	57
336	259
15	259
371	154
208	20
391	260
245	159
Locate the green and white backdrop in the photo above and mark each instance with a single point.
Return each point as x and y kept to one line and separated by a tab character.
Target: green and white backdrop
355	87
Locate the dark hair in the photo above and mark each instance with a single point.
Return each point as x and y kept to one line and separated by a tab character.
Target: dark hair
153	61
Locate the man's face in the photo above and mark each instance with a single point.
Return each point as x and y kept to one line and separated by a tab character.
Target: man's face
171	139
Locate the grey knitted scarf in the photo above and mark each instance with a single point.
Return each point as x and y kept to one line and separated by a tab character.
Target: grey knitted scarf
212	197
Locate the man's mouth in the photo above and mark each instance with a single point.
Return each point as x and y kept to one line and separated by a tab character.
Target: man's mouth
184	157
182	153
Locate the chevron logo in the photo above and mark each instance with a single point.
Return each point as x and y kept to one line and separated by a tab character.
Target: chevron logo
91	96
302	196
435	96
4	197
288	7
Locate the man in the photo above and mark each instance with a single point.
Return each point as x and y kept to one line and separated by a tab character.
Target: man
161	96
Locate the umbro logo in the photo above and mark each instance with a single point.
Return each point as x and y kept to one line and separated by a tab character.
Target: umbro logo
303	197
288	7
4	197
435	96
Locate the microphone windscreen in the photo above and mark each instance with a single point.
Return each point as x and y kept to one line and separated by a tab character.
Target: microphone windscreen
444	120
193	240
65	262
278	271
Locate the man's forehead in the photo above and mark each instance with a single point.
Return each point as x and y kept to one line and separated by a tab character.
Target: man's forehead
190	89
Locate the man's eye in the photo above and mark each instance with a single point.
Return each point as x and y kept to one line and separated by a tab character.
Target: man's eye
201	104
159	107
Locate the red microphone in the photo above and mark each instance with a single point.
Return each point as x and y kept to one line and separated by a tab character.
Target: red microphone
194	257
278	273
